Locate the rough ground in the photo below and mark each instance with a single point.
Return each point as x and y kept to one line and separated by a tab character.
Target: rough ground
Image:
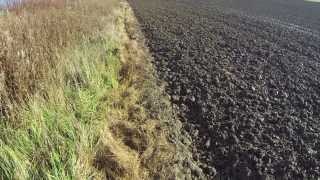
247	86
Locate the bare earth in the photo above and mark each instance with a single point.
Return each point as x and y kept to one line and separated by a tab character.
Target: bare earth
245	76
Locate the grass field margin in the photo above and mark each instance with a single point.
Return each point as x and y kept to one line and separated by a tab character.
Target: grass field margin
78	96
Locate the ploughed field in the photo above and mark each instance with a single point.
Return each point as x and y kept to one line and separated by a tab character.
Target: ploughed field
247	86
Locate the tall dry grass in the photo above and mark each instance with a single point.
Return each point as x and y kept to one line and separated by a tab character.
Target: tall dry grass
32	36
56	62
69	108
18	5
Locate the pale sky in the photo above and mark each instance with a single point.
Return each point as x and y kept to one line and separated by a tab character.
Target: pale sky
1	2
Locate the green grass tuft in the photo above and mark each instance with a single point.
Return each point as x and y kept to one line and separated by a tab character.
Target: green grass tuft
55	134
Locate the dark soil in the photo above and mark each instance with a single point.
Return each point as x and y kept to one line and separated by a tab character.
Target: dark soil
247	87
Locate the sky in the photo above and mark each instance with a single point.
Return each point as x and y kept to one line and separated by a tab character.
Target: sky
2	2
